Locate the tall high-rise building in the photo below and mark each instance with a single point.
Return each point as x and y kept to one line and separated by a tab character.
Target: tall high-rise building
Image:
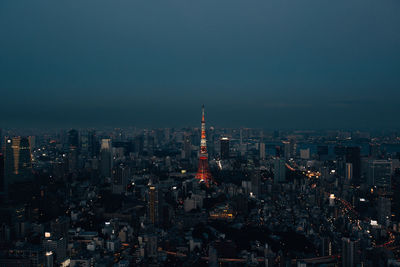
224	142
73	138
278	151
256	184
384	211
18	164
56	245
150	143
326	246
349	172
1	173
187	145
88	144
84	143
350	254
106	158
379	173
213	256
120	175
293	148
203	173
93	145
73	147
49	259
139	144
286	149
153	205
279	170
262	151
32	142
151	246
353	157
59	227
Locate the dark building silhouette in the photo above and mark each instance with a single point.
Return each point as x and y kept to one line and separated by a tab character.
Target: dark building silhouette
187	145
139	144
256	184
396	197
340	151
93	144
73	146
85	143
224	148
105	158
278	151
120	178
150	144
1	172
350	252
73	138
17	161
322	152
353	157
374	150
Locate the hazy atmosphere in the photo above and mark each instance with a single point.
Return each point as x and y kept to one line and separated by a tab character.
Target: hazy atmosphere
255	63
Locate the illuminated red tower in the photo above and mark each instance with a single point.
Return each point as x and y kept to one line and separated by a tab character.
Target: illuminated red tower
203	174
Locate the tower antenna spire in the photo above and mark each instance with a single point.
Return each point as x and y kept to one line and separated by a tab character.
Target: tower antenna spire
202	113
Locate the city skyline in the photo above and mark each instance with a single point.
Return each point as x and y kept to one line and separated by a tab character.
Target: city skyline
180	197
199	133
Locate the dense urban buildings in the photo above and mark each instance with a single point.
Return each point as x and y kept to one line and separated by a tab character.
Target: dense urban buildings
164	197
105	162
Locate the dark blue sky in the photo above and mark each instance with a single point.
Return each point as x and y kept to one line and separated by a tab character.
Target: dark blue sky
255	63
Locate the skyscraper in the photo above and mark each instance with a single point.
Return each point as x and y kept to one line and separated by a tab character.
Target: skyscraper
18	165
384	211
153	205
353	157
286	149
224	142
379	173
349	172
106	158
73	147
84	143
1	173
93	145
256	184
73	138
203	173
32	142
120	175
279	170
262	151
350	254
187	145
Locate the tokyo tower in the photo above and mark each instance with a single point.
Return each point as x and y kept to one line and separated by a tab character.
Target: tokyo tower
203	174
